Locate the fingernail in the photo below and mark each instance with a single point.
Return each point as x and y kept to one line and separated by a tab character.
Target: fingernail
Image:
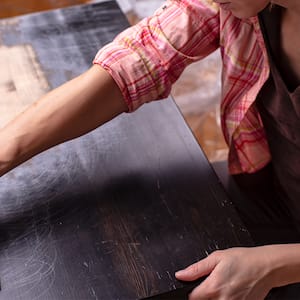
178	273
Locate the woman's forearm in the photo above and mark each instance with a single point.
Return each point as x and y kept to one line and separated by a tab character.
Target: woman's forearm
67	112
285	264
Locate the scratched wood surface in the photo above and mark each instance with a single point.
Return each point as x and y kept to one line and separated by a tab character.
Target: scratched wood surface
113	214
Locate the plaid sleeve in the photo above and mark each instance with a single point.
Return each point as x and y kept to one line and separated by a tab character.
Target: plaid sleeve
146	59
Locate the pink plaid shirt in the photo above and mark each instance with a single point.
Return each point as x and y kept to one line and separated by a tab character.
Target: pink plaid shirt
146	59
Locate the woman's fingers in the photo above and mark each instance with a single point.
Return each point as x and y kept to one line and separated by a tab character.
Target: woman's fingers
198	269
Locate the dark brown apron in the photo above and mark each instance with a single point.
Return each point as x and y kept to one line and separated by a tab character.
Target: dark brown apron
268	201
279	106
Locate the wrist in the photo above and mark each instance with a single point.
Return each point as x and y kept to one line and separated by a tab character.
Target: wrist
9	155
284	264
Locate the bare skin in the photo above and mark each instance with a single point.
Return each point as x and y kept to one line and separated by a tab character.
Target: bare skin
290	43
244	273
67	112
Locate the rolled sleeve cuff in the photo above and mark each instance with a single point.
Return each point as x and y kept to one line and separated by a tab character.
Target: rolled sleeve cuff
131	74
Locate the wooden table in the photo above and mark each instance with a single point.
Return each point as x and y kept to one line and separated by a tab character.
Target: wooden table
113	214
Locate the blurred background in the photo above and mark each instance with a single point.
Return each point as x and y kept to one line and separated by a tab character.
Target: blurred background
197	92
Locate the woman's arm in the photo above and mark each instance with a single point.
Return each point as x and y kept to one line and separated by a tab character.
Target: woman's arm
244	273
67	112
285	260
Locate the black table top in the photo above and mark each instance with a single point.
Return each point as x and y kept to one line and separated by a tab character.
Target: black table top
113	214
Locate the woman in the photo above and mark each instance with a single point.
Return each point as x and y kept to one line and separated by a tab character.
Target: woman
258	74
251	273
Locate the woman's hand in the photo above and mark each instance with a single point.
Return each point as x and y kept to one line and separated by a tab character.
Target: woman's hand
236	273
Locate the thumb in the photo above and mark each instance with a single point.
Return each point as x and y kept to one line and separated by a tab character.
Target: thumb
198	269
